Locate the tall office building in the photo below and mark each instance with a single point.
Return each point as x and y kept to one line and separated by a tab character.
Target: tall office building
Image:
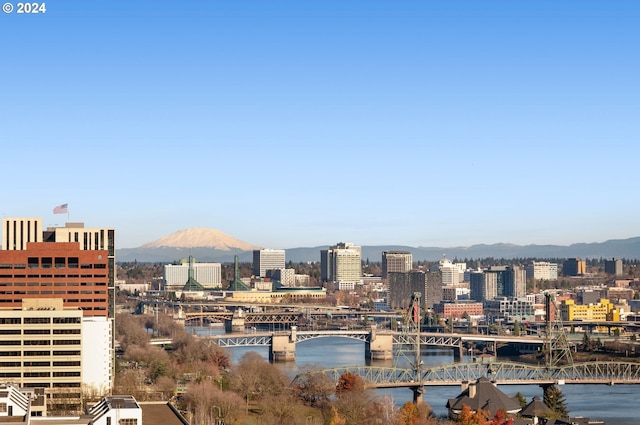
483	286
396	261
613	266
451	274
46	345
434	289
267	259
72	265
342	264
543	270
574	267
402	286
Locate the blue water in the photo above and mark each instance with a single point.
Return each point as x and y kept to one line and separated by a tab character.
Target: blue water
612	404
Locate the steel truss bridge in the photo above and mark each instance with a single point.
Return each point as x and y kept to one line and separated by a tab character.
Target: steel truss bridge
399	338
249	318
503	373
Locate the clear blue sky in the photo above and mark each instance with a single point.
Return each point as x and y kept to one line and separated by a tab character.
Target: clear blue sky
305	123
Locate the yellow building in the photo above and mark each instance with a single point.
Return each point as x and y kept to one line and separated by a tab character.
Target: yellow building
600	312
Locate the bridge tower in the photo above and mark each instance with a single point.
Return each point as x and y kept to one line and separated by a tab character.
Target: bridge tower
413	357
557	350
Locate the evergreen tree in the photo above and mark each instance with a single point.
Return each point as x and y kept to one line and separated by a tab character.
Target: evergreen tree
554	399
521	400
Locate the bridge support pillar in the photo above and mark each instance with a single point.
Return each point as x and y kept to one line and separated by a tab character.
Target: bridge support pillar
378	347
458	352
283	347
236	324
417	394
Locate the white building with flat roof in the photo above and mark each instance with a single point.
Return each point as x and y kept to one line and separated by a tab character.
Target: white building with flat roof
543	270
209	275
97	362
267	259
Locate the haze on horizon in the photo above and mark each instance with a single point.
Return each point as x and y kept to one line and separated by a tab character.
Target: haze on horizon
289	124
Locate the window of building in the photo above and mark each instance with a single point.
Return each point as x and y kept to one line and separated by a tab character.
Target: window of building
36	320
66	331
35	353
37	364
67	320
33	263
47	262
36	342
128	421
73	262
66	342
66	353
37	375
60	262
37	331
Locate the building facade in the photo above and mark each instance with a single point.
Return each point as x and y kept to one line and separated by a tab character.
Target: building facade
41	347
457	310
483	286
65	275
175	276
402	286
286	277
543	270
267	259
574	267
72	262
342	264
613	266
396	262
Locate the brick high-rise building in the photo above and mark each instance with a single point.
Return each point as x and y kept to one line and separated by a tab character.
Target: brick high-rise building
74	263
61	269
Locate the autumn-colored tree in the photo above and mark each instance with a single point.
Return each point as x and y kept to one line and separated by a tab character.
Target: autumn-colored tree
313	387
349	382
408	414
469	417
336	418
500	418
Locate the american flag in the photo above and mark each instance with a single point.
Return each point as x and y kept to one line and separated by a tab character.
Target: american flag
60	209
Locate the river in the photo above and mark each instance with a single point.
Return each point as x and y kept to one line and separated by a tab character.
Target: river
612	404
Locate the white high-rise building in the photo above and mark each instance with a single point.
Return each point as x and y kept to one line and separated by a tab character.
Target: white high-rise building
450	272
96	354
267	259
209	275
342	264
543	270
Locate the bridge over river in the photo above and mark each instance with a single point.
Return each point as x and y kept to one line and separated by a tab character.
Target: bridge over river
502	373
379	345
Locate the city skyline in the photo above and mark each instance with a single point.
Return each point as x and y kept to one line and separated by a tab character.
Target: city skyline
289	124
